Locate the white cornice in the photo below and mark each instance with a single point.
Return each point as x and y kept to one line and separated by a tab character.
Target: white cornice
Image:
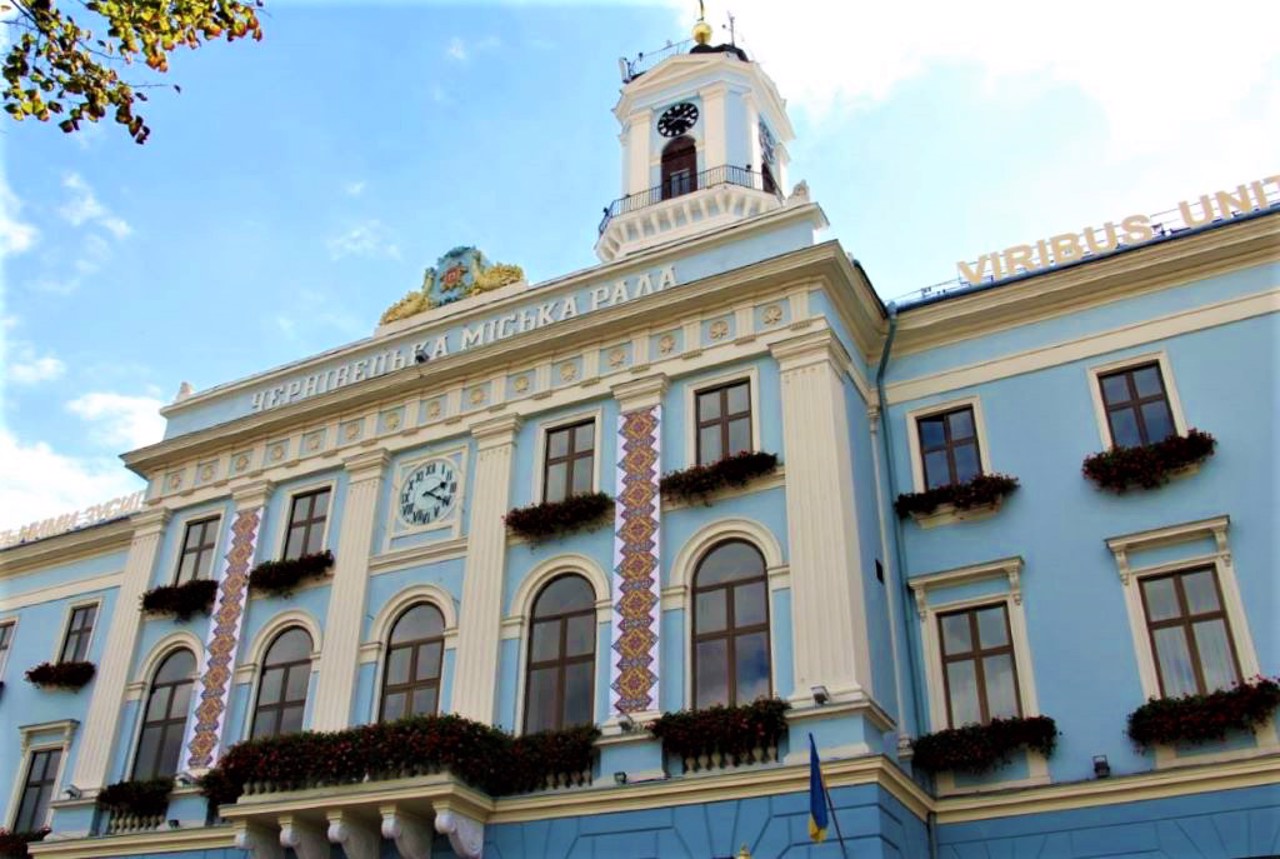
64	548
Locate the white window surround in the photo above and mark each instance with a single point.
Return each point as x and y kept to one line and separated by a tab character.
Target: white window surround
1009	569
13	637
141	685
516	624
545	428
1097	371
457	458
677	594
174	555
66	627
282	515
913	435
373	649
693	387
250	670
30	746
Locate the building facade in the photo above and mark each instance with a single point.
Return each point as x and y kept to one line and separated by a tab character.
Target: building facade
715	327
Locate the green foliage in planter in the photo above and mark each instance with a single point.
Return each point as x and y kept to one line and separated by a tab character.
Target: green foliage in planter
983	490
142	798
63	675
981	748
281	577
479	755
14	844
539	522
731	731
1195	719
699	481
1149	465
182	601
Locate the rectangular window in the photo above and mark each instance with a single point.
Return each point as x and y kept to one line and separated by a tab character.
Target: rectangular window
1190	637
724	422
37	790
949	447
570	462
978	666
6	641
75	647
196	559
306	524
1137	406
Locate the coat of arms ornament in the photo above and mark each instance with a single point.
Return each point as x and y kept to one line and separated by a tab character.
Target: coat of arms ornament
461	273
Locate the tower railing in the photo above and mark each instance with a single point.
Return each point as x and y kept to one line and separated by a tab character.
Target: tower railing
678	186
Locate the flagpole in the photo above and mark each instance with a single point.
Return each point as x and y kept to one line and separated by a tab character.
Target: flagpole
832	807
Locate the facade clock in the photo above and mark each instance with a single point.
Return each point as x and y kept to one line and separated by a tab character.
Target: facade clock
677	119
429	493
767	143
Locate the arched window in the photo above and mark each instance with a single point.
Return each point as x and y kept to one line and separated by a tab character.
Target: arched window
679	167
411	676
560	680
164	720
730	626
282	691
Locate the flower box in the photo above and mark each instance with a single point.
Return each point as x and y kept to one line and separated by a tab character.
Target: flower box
1148	466
479	755
1196	719
539	522
698	482
281	578
977	749
61	675
14	844
147	798
182	601
983	491
719	737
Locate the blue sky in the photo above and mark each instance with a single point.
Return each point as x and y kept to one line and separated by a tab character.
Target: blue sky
299	185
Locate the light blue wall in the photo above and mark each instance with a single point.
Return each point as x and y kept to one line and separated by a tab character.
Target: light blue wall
62	574
679	453
165	570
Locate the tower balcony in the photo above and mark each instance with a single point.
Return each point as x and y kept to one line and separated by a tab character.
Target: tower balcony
685	205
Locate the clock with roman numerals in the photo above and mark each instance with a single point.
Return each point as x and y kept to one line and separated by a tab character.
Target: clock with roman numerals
429	493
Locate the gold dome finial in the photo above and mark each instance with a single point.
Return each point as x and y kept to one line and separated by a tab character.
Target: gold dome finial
702	30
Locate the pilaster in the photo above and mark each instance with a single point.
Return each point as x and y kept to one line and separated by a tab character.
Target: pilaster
113	674
714	115
339	660
480	618
635	177
831	646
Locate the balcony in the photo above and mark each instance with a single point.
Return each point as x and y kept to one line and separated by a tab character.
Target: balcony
686	203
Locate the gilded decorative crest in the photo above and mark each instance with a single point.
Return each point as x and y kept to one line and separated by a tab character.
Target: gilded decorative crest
460	273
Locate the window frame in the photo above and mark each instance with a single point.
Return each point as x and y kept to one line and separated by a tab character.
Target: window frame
145	699
562	662
414	645
703	384
1096	372
22	783
261	668
913	418
731	631
546	428
1186	621
187	525
977	655
65	638
11	623
286	514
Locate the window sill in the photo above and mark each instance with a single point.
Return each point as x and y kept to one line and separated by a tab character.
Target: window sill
949	514
763	483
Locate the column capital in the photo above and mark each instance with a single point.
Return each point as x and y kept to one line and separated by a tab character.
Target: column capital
642	393
366	465
252	495
150	522
809	348
495	432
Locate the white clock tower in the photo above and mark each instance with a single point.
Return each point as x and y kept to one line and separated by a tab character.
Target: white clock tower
704	137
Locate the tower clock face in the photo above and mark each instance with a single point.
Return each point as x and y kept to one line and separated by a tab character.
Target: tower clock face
677	119
429	493
767	143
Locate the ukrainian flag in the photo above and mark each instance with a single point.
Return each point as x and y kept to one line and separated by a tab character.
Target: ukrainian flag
817	796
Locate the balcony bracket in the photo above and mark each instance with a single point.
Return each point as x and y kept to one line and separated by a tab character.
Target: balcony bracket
307	839
358	838
411	834
466	834
258	840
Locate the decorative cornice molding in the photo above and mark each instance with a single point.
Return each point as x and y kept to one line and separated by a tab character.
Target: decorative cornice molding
64	548
366	465
1010	568
252	495
644	392
496	432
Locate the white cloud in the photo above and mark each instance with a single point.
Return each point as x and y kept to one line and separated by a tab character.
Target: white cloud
461	51
84	207
120	421
16	235
25	367
369	239
439	95
37	482
353	189
457	50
